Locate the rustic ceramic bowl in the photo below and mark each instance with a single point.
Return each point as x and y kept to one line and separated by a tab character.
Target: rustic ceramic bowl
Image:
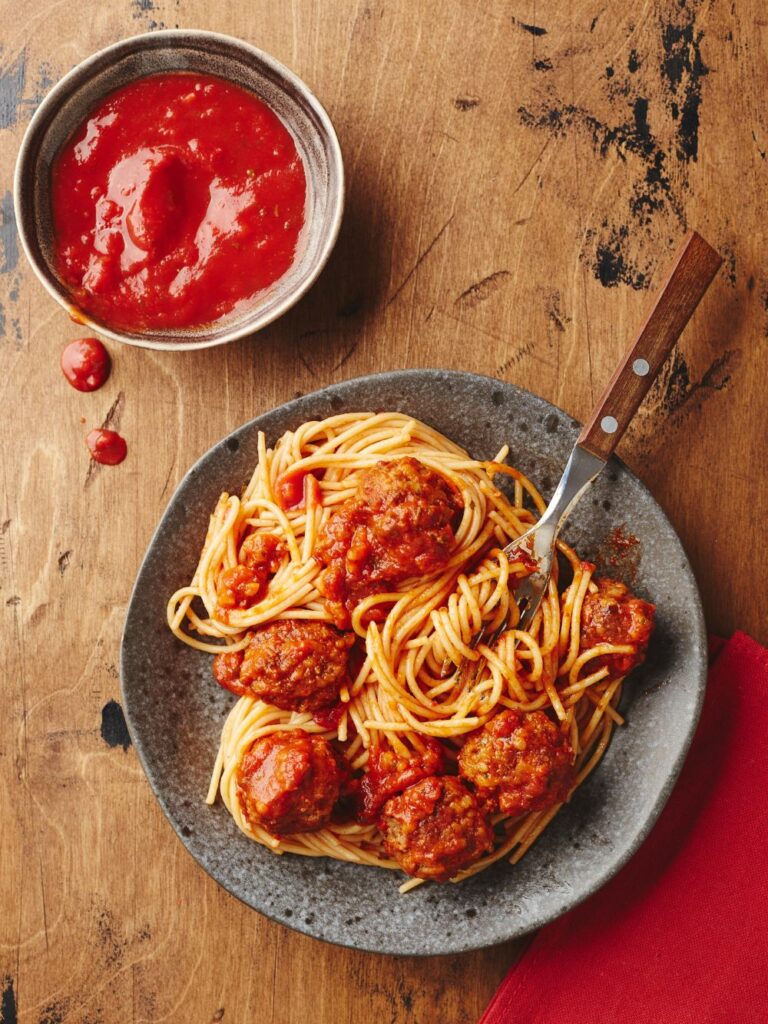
175	711
67	105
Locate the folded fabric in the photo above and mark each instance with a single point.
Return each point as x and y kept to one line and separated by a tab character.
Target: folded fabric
680	936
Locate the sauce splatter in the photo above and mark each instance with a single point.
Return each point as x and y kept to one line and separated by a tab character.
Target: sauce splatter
621	551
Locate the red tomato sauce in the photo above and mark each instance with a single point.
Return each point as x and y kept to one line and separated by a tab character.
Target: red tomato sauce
178	200
86	364
389	774
106	447
329	718
294	489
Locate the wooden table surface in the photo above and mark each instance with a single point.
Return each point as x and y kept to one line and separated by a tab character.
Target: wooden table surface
518	175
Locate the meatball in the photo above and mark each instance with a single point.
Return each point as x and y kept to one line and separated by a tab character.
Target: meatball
289	782
388	773
518	762
260	556
226	672
296	665
398	524
612	615
435	828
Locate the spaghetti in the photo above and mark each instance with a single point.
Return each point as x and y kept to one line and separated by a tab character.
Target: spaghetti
407	694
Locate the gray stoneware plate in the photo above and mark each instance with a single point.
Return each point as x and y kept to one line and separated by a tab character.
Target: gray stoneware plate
175	710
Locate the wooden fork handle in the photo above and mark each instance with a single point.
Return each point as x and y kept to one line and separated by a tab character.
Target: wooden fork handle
694	266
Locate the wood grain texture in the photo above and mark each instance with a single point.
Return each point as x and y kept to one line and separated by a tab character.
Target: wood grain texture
519	174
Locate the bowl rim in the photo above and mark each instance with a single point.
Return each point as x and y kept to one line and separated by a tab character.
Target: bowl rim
45	112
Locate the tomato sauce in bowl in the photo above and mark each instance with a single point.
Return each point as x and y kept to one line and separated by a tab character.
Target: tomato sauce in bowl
177	201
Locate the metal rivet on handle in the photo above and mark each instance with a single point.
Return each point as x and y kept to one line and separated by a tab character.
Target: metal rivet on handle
641	367
609	424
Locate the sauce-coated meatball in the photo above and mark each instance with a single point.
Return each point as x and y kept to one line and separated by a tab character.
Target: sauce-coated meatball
612	615
518	762
260	556
398	524
388	773
296	665
289	782
435	828
226	672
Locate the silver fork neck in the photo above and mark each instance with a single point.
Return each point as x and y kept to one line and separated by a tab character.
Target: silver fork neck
580	470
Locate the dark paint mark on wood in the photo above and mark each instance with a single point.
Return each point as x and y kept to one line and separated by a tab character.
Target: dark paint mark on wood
142	9
627	137
729	264
45	79
481	290
556	317
114	730
64	560
112	943
54	1012
675	393
543	65
13	601
465	103
611	267
8	1014
9	246
534	30
405	995
751	283
683	69
658	186
12	78
517	357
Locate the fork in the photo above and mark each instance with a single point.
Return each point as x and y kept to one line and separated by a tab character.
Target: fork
693	268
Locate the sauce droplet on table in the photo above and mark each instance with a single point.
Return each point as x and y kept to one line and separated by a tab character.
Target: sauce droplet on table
86	364
106	447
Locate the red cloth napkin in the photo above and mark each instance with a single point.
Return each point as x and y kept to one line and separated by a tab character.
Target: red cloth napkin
680	936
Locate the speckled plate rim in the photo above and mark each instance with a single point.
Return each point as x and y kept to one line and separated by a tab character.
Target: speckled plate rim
533	921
